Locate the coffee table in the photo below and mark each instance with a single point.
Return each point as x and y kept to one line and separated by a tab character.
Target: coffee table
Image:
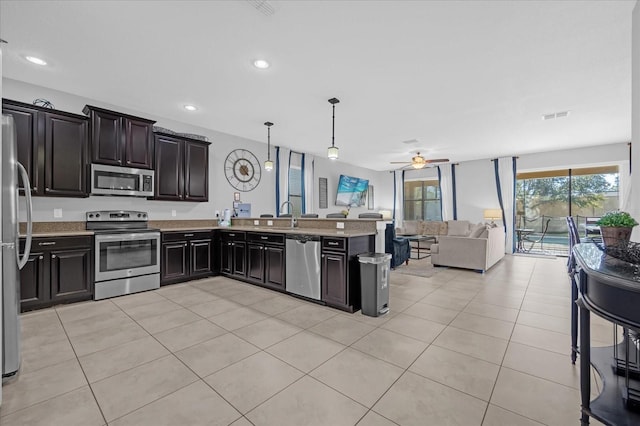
418	248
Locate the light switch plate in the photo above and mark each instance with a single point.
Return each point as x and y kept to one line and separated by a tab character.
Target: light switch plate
340	225
269	223
57	213
256	222
173	213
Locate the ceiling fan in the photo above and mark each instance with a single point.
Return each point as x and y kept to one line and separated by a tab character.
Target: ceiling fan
418	161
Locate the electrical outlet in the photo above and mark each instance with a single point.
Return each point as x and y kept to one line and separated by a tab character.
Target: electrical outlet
57	213
269	223
339	225
173	213
256	222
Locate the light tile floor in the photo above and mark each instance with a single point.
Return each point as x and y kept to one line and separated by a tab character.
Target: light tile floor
457	348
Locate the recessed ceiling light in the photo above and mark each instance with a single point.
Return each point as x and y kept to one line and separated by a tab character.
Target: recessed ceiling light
35	60
190	107
261	63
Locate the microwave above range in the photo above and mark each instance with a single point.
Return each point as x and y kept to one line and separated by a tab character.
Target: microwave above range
114	180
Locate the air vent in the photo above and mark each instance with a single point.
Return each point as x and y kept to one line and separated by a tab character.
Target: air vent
262	6
411	142
560	114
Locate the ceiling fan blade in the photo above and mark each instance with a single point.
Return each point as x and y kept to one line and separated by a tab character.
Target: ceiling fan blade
399	162
437	160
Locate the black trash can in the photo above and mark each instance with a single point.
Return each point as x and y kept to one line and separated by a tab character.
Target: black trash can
374	283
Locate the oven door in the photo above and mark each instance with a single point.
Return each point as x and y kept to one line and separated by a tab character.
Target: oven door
127	255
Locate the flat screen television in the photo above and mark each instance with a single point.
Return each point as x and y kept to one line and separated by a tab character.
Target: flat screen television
352	191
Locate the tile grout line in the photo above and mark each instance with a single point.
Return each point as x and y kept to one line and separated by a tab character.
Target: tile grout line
82	369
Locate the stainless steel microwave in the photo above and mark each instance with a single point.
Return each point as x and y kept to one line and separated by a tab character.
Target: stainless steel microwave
114	180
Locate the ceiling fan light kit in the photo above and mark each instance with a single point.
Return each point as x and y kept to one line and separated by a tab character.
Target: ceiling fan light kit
419	162
332	151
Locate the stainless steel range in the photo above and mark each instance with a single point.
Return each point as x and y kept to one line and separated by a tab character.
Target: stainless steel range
127	253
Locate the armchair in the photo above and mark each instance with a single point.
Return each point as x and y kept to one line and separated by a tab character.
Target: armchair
398	247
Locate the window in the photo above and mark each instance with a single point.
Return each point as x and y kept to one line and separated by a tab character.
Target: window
422	200
295	183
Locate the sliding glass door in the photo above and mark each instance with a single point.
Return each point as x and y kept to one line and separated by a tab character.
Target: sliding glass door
544	199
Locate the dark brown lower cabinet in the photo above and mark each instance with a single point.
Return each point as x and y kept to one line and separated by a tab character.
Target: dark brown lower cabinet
185	256
239	261
334	278
174	265
233	254
266	261
59	270
274	269
341	270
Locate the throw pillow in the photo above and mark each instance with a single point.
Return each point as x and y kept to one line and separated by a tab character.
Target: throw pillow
431	228
477	230
458	228
444	228
410	227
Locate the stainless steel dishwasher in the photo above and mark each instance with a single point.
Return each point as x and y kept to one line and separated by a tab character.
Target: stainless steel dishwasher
303	265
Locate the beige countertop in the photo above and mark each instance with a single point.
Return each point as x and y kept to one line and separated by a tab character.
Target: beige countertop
321	227
303	231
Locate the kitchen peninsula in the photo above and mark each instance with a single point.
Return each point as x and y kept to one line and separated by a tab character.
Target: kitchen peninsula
251	250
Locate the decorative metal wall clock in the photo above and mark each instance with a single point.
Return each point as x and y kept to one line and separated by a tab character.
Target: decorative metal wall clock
242	170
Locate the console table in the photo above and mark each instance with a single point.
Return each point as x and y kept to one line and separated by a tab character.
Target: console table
609	288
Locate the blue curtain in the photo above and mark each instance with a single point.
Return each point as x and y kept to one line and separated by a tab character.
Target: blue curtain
499	189
453	184
394	196
440	189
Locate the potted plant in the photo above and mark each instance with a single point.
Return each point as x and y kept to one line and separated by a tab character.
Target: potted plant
615	228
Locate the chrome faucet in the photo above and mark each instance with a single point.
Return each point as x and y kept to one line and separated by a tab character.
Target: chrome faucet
290	210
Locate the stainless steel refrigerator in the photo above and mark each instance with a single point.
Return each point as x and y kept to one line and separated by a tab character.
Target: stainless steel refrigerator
9	240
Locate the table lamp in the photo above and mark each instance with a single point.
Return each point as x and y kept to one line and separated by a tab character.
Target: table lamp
492	214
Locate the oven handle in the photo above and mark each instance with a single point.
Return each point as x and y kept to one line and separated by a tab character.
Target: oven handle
128	237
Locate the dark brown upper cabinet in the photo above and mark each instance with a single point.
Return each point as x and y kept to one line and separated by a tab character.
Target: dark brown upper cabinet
53	147
120	139
182	168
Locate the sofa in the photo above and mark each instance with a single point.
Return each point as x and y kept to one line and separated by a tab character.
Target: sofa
479	247
398	247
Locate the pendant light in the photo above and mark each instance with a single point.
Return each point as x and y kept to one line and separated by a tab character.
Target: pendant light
268	165
332	151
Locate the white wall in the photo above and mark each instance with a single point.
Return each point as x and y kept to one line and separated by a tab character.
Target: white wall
382	183
634	206
262	198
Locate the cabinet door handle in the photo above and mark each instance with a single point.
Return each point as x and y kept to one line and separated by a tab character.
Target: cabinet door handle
323	255
40	257
53	256
331	243
264	238
48	243
188	235
232	235
185	244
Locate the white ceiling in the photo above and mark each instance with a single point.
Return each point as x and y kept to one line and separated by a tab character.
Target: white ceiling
467	80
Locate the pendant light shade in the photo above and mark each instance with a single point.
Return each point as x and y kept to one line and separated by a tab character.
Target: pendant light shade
332	151
268	165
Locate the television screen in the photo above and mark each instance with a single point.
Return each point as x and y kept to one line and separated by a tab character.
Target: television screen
352	191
